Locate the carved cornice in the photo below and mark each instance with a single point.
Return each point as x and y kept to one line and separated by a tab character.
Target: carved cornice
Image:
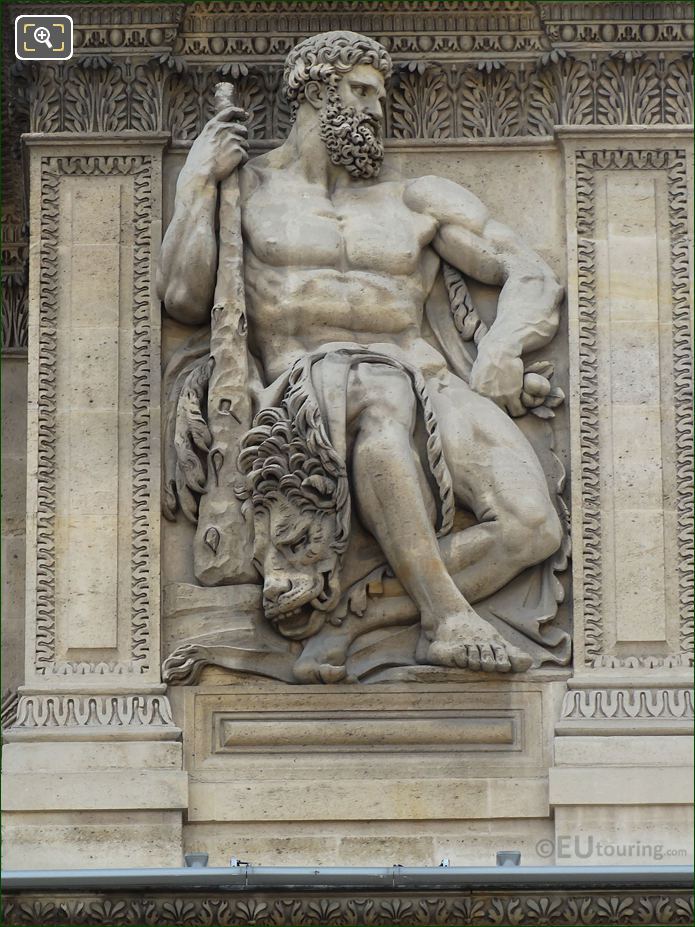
619	906
52	170
674	164
119	28
405	28
421	28
627	23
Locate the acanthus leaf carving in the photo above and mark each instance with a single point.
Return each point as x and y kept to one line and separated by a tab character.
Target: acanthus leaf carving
488	103
422	104
561	93
628	92
599	906
431	98
8	712
14	309
678	91
95	97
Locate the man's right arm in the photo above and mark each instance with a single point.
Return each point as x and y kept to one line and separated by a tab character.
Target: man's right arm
188	258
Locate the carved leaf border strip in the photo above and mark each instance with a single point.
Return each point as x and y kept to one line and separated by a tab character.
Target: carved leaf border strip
628	704
53	168
620	906
75	710
430	99
588	162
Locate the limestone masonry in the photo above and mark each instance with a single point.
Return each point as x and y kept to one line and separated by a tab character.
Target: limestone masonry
348	462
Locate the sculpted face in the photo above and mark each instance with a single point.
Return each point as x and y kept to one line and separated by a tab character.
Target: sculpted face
294	552
351	121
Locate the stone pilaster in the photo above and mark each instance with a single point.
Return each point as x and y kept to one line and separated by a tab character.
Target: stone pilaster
94	736
629	298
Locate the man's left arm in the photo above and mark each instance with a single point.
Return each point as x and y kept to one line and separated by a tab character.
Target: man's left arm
490	252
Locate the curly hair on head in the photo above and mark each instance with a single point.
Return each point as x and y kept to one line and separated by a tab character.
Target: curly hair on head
327	56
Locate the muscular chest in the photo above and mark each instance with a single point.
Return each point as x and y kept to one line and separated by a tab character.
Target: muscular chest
369	229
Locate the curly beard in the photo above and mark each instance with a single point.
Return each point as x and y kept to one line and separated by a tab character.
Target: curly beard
353	140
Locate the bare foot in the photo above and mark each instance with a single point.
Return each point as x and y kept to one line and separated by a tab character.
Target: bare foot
467	641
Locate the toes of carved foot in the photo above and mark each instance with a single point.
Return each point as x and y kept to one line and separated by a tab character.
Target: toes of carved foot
520	662
487	659
502	664
330	673
474	656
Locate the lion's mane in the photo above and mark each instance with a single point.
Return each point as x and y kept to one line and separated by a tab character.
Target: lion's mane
288	454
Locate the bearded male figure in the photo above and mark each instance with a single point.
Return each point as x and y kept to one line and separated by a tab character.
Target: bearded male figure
340	260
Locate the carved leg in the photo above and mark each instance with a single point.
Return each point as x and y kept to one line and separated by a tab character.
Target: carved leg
388	480
497	475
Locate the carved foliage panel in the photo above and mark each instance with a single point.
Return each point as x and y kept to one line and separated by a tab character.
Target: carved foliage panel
596	407
432	98
620	906
14	282
71	413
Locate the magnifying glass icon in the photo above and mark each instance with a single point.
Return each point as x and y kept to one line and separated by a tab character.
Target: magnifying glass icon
42	34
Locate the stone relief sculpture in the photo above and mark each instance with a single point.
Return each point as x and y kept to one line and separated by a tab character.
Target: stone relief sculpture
346	433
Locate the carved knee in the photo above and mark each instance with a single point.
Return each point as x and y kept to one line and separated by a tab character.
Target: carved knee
531	532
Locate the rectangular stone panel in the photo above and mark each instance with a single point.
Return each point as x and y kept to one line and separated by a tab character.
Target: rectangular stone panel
93	232
630	324
637	565
93	483
263	726
372	731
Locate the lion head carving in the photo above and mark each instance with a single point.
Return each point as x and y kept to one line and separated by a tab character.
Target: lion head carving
297	490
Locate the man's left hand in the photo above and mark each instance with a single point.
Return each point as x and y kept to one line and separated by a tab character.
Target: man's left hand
499	376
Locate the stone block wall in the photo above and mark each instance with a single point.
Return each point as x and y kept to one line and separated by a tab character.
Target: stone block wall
572	121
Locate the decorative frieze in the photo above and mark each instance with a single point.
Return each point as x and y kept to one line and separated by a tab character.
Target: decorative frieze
610	22
121	28
64	711
450	28
624	704
431	98
619	906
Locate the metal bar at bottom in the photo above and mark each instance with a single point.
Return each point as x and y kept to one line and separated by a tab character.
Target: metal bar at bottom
408	878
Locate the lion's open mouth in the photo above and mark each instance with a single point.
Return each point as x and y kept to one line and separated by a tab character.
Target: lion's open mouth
302	615
303	621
